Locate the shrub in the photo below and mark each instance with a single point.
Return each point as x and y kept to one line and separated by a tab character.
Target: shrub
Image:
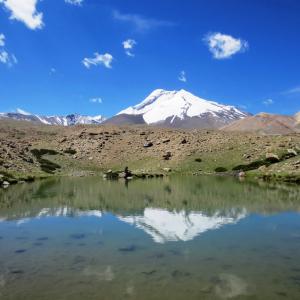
70	151
46	165
220	170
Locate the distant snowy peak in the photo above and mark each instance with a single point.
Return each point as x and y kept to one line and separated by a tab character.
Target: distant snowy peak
163	105
72	119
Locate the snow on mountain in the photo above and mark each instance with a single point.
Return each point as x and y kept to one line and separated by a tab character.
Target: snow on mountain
165	226
171	106
72	119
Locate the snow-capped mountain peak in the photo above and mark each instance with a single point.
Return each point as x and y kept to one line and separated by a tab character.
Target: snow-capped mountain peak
72	119
162	105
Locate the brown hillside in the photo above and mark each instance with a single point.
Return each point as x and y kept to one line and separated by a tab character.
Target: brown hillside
264	123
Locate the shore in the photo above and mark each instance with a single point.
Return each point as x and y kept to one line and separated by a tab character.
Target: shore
30	151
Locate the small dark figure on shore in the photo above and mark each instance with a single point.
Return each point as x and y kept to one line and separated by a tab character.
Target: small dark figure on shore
127	173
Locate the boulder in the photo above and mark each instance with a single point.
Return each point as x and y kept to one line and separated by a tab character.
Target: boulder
110	175
289	154
148	144
271	157
184	141
292	152
167	156
167	169
242	174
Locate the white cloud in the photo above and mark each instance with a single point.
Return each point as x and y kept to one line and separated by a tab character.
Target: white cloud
268	102
25	11
74	2
5	57
2	40
96	100
224	46
128	45
294	90
99	59
139	22
182	76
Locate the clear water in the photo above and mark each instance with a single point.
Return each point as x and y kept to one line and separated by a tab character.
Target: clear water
176	238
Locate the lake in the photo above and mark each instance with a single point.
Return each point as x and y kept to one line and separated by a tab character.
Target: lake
173	238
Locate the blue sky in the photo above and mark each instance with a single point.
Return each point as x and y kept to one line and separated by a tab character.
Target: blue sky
244	53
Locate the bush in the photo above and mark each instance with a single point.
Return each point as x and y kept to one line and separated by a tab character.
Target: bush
220	170
253	165
38	153
46	165
70	151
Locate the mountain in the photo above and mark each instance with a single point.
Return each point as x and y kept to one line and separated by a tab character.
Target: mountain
266	124
179	109
124	119
297	117
72	119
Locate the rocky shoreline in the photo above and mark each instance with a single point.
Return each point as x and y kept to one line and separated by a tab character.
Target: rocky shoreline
29	152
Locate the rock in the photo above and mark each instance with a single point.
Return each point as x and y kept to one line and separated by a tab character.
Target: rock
63	140
166	141
122	175
184	141
289	154
5	183
111	175
148	144
242	174
292	152
272	157
167	156
167	169
90	158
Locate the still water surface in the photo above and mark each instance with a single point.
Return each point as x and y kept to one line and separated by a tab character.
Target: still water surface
175	238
